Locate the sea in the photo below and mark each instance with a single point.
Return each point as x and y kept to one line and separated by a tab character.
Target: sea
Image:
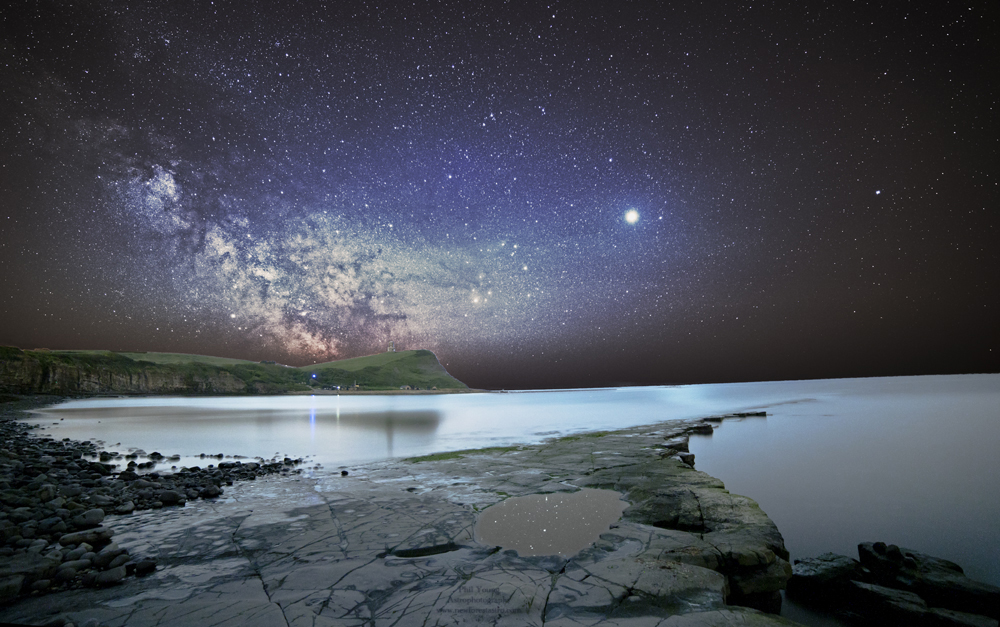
911	461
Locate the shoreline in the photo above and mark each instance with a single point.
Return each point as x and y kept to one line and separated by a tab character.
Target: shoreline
648	465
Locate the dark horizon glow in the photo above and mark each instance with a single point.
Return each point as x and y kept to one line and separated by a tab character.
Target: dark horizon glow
562	195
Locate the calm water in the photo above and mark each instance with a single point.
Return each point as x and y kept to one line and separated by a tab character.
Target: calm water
343	430
911	461
907	460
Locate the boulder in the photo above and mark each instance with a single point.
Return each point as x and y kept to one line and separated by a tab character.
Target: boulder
144	567
886	606
95	536
210	492
882	559
170	497
125	508
90	518
10	587
939	582
111	576
824	578
950	590
107	555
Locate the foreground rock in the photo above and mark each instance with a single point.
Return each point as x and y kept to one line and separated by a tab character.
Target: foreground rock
893	585
55	495
394	543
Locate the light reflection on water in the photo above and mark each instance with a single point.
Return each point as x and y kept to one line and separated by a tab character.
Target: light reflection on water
340	430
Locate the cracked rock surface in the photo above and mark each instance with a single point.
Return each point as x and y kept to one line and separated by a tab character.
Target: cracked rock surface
393	543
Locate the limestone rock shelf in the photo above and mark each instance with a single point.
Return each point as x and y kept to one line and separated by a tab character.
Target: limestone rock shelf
393	543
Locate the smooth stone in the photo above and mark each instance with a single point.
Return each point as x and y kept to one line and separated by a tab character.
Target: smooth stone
144	567
210	492
98	535
90	518
111	576
170	497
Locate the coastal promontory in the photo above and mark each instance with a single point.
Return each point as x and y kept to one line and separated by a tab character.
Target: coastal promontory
44	371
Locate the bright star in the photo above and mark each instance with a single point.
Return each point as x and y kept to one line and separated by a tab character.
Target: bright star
631	216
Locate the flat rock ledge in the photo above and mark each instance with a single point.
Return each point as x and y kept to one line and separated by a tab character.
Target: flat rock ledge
392	543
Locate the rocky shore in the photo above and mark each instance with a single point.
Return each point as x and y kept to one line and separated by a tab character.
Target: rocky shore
891	585
392	543
55	495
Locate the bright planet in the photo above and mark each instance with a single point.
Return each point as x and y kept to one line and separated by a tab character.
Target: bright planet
631	216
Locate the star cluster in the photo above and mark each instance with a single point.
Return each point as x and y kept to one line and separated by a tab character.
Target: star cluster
560	194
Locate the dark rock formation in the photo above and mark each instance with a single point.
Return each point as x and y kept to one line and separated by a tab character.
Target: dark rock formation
894	585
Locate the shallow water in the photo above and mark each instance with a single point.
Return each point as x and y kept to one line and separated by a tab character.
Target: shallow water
909	461
344	430
561	523
906	460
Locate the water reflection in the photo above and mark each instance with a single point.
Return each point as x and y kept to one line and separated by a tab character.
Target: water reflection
324	434
550	524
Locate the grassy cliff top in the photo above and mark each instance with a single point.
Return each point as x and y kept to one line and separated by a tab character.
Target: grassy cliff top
384	371
379	360
165	358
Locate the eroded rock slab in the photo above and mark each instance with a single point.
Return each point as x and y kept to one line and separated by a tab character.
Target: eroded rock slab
393	544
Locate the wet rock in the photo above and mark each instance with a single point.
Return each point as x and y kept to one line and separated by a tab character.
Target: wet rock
937	617
128	475
96	536
144	567
90	518
121	560
701	429
10	587
823	579
939	582
170	497
107	554
111	576
886	605
677	444
210	492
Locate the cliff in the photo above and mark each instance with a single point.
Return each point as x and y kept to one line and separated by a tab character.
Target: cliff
44	372
105	372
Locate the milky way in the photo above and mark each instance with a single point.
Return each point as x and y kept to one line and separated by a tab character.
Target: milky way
559	194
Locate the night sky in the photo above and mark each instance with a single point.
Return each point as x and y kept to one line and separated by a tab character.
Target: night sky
546	195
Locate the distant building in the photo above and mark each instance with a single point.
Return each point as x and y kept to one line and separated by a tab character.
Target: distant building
404	387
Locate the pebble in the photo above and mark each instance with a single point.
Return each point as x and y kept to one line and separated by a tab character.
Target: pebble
55	494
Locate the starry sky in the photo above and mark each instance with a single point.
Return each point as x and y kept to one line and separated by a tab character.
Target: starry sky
560	194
